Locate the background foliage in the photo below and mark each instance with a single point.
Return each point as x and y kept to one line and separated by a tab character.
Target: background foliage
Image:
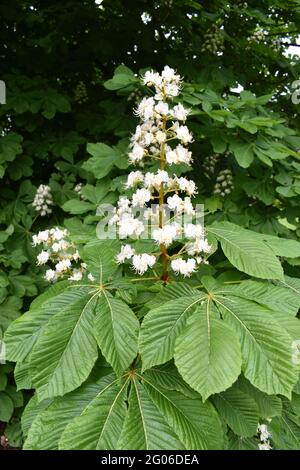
70	70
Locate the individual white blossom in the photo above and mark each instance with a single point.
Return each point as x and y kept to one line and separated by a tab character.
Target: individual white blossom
140	197
134	178
58	234
77	275
186	185
142	262
130	226
51	275
136	153
176	203
184	267
43	200
178	155
152	78
160	137
43	257
154	180
183	134
162	108
193	231
179	112
63	265
165	235
126	252
168	74
145	109
200	245
172	89
41	237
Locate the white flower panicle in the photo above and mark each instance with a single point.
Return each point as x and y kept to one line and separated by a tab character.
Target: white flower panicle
224	183
61	253
213	41
209	164
264	436
160	141
43	200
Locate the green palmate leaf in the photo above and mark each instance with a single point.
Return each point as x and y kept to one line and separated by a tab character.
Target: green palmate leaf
100	258
22	334
76	206
103	159
268	405
144	426
285	431
241	443
31	411
100	423
297	387
171	292
208	353
51	292
16	396
196	424
291	325
161	327
295	404
13	433
167	376
123	77
22	375
239	410
281	246
266	346
9	311
6	407
276	297
66	350
48	424
243	153
116	330
293	284
3	381
246	251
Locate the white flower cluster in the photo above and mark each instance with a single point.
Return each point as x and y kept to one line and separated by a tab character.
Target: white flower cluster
43	200
162	135
61	253
258	36
264	436
78	189
261	36
209	164
224	184
213	41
